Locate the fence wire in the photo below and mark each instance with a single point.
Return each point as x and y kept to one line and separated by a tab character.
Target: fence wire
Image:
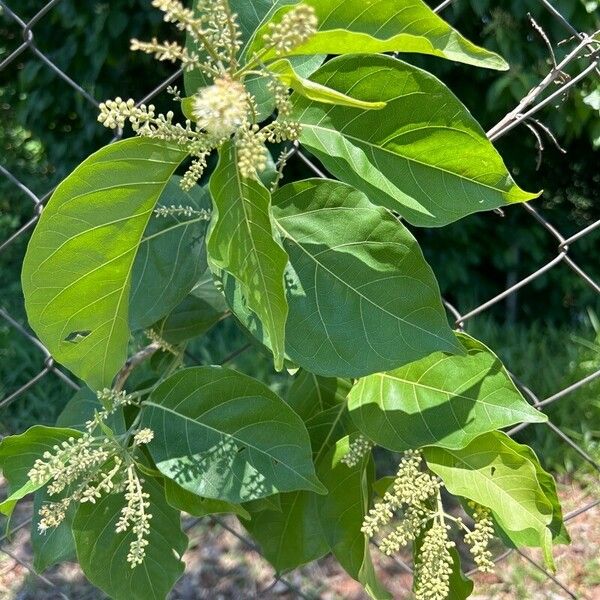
586	52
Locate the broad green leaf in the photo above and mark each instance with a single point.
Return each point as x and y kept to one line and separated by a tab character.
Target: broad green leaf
560	535
442	399
315	91
311	394
77	270
362	298
341	514
198	312
18	453
496	472
102	553
195	505
171	256
423	155
292	536
241	241
223	435
372	26
81	408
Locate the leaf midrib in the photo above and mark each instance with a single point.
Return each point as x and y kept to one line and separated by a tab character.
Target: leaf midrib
358	142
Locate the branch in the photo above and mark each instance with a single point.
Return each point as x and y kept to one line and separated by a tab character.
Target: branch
132	363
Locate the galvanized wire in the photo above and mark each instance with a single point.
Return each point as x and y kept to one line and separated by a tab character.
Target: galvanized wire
533	102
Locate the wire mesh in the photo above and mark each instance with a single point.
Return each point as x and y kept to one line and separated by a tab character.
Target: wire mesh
586	50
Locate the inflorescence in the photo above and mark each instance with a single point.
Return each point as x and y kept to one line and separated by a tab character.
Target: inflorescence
224	109
86	468
412	510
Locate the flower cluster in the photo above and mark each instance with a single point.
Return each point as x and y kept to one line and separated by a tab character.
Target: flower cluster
86	468
296	27
412	507
224	109
412	492
479	538
135	516
359	447
163	345
181	211
434	567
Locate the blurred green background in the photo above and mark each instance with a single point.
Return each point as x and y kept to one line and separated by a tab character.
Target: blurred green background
547	334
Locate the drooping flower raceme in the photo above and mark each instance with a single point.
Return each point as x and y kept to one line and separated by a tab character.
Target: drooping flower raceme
412	510
84	469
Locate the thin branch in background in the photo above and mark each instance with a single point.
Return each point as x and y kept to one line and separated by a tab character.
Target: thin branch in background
539	145
543	35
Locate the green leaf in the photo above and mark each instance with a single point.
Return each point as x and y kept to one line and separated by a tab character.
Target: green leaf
362	298
198	312
315	91
311	394
496	472
292	536
341	513
223	435
102	553
18	454
372	26
77	270
171	257
241	242
442	399
81	408
423	155
560	535
195	505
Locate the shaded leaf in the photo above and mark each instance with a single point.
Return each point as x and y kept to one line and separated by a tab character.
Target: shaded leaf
341	514
171	257
362	298
195	505
77	270
56	545
82	407
442	399
423	155
197	313
223	435
292	536
312	394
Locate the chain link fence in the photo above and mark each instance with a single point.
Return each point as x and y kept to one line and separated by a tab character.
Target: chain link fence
580	62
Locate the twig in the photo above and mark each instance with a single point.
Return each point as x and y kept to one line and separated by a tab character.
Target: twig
515	116
133	362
